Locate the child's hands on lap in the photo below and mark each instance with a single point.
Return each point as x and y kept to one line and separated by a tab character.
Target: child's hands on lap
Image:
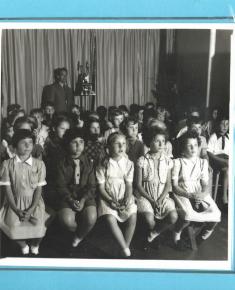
114	205
81	204
77	205
159	202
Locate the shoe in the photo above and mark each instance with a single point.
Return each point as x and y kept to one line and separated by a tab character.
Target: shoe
126	252
25	250
34	250
206	234
76	241
176	236
152	236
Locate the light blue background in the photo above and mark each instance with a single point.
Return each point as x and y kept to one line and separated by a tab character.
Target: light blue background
121	280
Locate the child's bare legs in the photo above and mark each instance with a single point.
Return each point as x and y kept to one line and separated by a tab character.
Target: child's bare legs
225	185
23	246
67	219
162	226
86	222
129	228
149	220
116	231
35	242
181	224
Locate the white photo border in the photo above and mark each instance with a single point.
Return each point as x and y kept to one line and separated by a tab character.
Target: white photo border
156	265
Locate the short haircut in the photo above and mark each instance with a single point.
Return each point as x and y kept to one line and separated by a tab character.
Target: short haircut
30	120
21	134
123	108
36	111
193	120
60	119
150	133
49	104
190	134
72	134
102	111
126	122
112	137
115	113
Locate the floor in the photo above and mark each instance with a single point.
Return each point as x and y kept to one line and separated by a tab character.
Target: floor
99	244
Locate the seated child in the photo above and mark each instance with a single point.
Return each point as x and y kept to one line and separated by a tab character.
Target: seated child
53	151
42	131
76	117
22	215
94	146
116	117
75	186
155	123
153	183
135	148
194	124
102	112
218	152
140	115
29	123
124	110
210	126
116	200
190	187
6	149
182	124
49	114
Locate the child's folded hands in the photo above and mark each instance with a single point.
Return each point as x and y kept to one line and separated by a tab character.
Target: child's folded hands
78	205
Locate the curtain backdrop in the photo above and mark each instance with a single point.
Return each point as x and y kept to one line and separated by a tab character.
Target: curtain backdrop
126	63
30	56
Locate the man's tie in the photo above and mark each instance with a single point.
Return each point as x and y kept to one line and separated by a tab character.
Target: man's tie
223	142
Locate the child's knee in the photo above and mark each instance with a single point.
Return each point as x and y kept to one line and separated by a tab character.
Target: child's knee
150	221
92	218
67	221
173	217
132	219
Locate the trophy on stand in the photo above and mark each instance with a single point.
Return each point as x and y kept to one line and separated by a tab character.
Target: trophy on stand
84	87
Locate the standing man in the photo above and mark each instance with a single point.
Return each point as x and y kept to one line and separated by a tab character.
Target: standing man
59	93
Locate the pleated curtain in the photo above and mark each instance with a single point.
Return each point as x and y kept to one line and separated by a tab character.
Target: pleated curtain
124	63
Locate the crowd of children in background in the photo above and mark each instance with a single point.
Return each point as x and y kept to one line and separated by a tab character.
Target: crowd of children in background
111	163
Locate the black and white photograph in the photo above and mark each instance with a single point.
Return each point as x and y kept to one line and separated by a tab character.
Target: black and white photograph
115	144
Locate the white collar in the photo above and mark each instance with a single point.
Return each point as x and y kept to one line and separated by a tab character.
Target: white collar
29	161
119	161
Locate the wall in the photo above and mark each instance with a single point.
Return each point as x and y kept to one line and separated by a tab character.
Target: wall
192	52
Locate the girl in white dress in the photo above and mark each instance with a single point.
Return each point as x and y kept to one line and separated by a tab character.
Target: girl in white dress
116	202
153	183
190	187
23	216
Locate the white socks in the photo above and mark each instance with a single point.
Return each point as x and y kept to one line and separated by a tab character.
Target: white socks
126	252
34	250
152	236
25	250
206	234
76	241
176	236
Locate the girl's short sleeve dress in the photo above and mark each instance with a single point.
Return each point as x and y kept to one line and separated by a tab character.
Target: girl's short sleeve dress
154	177
189	175
23	178
114	175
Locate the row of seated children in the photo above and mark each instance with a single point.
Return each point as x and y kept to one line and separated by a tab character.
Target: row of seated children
71	188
